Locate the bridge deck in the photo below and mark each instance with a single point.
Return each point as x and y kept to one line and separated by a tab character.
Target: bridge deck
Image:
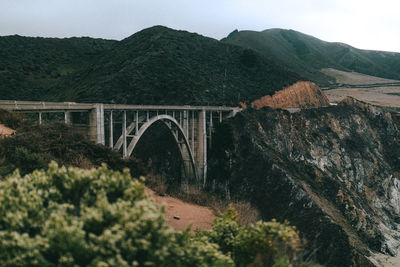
72	106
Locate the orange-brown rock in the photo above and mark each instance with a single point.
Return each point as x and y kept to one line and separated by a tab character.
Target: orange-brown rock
298	95
5	131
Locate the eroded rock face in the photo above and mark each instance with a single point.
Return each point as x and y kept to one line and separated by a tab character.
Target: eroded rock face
298	95
333	172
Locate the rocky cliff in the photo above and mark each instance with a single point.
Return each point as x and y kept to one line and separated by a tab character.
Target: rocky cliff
333	172
298	95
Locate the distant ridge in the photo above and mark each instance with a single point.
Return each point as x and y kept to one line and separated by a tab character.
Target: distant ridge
307	55
157	65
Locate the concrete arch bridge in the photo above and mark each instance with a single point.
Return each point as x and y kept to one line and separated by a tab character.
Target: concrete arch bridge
121	126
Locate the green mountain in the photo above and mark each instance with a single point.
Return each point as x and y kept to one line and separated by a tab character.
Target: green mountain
31	67
307	55
157	65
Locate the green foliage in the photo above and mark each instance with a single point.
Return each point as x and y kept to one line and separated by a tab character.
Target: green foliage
27	161
34	146
262	244
225	229
98	217
155	66
11	119
74	217
31	67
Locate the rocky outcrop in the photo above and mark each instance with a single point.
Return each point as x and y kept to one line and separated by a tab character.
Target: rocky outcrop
5	131
333	172
298	95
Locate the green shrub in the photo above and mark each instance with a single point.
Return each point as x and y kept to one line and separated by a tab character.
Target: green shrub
99	217
35	146
261	244
74	217
27	161
11	119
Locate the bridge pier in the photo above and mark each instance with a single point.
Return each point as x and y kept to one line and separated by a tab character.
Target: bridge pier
201	147
67	117
96	124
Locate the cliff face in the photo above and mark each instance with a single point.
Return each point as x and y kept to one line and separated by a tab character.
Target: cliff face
298	95
333	172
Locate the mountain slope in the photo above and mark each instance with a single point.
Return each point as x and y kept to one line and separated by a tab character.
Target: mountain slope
332	172
306	55
30	67
159	65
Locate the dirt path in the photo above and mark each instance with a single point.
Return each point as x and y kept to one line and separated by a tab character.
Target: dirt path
200	217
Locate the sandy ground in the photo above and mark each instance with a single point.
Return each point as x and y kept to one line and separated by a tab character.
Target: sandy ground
386	261
199	217
384	96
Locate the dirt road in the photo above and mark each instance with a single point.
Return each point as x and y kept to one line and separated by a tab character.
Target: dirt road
180	214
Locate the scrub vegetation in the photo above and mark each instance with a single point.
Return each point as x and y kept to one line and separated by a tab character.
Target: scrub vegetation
99	217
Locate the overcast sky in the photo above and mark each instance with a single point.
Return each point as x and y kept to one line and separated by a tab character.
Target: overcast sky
366	24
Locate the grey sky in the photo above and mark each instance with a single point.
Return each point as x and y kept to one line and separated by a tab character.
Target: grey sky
367	24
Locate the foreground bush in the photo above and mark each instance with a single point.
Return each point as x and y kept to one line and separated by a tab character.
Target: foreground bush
261	244
73	217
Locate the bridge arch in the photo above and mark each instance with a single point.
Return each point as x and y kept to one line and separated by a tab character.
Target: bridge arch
195	127
180	138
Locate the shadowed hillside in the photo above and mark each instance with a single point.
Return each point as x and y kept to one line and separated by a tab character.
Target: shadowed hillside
32	67
159	65
306	55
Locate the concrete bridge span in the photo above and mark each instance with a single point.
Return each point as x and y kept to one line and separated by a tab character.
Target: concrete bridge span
121	126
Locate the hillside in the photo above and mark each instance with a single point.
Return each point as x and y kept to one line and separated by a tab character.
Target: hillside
31	67
333	172
306	55
159	65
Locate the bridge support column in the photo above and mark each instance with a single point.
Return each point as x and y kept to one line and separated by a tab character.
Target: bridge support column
40	118
124	145
67	117
186	122
96	124
111	142
201	147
